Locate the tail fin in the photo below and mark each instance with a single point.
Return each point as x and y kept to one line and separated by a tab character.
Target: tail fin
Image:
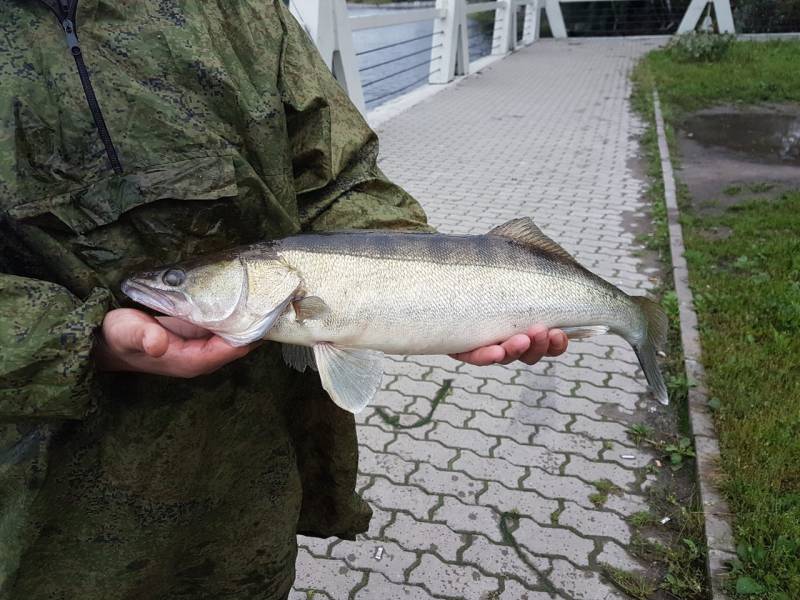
654	340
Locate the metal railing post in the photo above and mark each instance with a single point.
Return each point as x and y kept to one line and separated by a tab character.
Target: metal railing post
555	18
453	56
533	20
328	24
504	28
694	12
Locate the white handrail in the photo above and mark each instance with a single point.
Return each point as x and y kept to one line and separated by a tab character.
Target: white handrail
485	6
399	18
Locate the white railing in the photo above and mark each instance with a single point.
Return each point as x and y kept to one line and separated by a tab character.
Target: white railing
331	27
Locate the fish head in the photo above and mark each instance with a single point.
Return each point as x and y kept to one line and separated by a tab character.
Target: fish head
205	293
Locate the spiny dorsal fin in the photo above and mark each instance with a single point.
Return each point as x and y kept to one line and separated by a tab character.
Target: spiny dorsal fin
525	231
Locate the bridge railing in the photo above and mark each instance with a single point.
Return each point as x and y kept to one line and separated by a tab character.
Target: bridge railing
448	55
450	52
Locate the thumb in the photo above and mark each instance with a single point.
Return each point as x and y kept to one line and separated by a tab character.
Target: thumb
154	340
143	336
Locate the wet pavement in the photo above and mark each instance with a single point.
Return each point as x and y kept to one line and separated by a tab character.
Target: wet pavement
736	154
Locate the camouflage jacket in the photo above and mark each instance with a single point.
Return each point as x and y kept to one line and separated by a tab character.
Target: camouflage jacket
228	129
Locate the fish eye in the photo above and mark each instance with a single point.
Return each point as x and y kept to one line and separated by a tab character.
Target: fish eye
174	277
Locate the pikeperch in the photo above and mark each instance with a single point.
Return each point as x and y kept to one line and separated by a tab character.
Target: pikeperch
339	301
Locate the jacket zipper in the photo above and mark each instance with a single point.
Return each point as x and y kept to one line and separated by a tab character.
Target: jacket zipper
66	17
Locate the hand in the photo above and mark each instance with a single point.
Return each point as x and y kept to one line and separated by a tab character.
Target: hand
529	348
130	340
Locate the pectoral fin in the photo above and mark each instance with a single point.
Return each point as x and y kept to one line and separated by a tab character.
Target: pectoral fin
299	357
351	376
310	307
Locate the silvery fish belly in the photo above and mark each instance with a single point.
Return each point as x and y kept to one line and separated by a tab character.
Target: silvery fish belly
339	301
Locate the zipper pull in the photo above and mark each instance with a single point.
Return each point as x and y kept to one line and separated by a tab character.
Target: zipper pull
72	37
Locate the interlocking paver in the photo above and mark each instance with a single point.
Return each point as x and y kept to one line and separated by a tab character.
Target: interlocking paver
567	442
478	402
386	494
422	535
380	587
591	470
432	452
582	584
558	486
547	133
451	483
595	522
466	518
456	437
554	541
615	555
503	560
380	463
382	556
531	456
452	580
494	469
526	502
515	591
330	576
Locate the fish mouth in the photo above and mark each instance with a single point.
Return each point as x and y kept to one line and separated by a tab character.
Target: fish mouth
149	297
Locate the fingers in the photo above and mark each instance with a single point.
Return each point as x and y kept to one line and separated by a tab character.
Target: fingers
558	342
183	328
538	336
488	355
153	340
201	357
128	330
529	348
515	347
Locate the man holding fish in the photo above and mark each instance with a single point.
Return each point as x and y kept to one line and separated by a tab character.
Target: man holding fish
142	456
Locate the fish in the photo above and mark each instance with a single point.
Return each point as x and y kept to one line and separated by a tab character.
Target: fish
339	302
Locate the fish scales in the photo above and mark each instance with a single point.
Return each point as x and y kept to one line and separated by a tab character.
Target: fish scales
436	294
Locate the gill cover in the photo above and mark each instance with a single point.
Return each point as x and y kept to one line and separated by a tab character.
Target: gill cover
267	289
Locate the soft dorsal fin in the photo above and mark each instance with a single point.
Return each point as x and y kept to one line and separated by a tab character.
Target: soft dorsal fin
525	231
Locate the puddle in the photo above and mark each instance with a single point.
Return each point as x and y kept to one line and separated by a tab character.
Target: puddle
769	136
732	155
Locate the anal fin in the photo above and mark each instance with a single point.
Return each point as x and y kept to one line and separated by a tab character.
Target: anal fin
351	376
583	332
299	357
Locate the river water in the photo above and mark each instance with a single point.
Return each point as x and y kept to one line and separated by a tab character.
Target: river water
387	73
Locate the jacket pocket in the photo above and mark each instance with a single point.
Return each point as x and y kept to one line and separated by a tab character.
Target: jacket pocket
105	201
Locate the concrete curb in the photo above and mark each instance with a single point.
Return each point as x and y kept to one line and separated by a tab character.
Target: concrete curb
718	530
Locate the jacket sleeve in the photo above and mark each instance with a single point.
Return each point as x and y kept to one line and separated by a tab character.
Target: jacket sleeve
334	151
46	337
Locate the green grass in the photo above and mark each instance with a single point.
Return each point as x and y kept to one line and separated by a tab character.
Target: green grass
747	294
750	73
633	584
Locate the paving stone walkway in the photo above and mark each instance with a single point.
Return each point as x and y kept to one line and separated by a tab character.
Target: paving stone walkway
547	133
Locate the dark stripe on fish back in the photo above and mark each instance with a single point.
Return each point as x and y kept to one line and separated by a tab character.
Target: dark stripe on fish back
487	250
